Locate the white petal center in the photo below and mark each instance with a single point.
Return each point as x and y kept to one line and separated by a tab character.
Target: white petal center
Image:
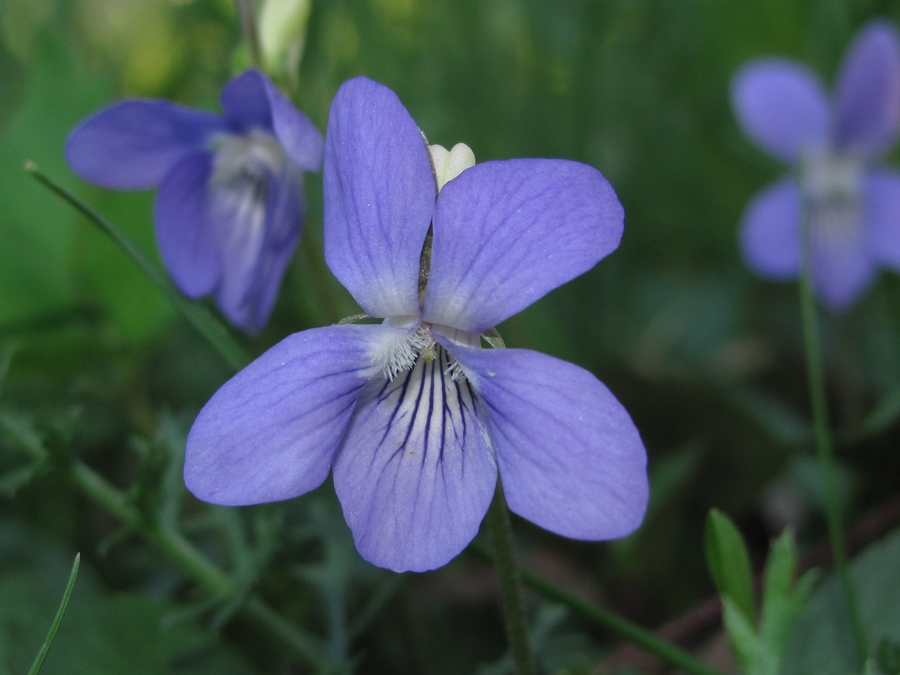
832	189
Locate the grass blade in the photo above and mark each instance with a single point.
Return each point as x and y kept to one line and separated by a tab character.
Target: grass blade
198	316
39	660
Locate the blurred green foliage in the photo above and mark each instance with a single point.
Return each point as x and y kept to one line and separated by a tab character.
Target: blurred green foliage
707	358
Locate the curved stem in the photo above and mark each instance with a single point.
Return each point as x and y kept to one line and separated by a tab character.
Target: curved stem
510	584
627	630
824	445
202	569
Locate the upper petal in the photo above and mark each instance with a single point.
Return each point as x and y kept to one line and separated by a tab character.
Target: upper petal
272	430
781	106
506	233
258	228
184	232
770	231
570	458
251	100
868	95
882	189
379	197
132	145
415	474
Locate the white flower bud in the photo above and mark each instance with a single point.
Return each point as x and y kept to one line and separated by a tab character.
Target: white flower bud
282	34
448	164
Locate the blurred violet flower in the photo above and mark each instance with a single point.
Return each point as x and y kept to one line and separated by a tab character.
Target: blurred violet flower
230	205
414	418
853	209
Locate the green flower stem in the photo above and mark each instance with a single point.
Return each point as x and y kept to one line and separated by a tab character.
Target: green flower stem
824	445
510	583
45	648
627	630
247	13
194	563
196	314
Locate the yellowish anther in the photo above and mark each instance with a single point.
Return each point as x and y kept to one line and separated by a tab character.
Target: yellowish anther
448	164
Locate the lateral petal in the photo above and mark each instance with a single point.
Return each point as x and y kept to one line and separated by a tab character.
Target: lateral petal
415	474
508	232
271	431
882	189
184	233
258	229
132	145
770	231
379	197
570	458
868	94
780	106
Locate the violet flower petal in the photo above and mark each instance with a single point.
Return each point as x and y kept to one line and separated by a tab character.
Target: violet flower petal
252	101
132	145
271	431
781	106
882	189
770	231
868	93
570	458
257	236
415	474
184	233
379	196
842	267
506	233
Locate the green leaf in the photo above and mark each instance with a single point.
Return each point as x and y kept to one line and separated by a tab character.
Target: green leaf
753	653
889	656
23	452
822	641
783	600
729	563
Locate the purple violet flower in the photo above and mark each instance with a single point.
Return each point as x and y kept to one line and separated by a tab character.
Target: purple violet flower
413	417
230	205
853	209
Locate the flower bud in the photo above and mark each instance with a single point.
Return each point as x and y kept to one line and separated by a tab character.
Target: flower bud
282	34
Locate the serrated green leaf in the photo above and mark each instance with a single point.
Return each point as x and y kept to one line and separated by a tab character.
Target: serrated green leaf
729	562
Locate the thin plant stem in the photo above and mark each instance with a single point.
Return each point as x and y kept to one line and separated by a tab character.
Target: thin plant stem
510	583
247	14
824	445
647	640
45	648
196	314
180	550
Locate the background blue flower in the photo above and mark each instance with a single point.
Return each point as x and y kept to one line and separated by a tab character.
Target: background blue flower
230	206
852	208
